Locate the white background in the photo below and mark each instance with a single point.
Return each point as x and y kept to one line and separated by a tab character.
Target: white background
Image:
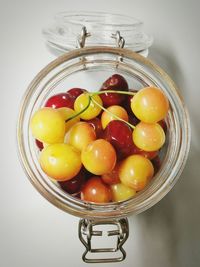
35	233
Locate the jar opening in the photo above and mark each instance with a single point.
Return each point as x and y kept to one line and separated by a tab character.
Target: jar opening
97	18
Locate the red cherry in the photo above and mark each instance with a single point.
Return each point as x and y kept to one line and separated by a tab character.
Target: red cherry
127	102
117	83
127	105
96	124
156	164
132	149
127	151
119	134
74	185
77	195
39	144
96	191
146	154
75	92
163	124
133	119
60	100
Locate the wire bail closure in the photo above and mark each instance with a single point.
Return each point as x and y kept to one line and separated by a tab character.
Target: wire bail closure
87	231
82	37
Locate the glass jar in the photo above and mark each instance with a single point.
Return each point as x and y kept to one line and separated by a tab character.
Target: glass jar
87	68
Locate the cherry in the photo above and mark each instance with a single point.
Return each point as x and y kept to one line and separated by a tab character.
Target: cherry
113	113
86	107
80	135
163	124
99	157
74	185
39	144
96	124
60	100
146	154
156	164
75	92
127	105
148	136
117	83
60	161
133	119
136	171
121	192
119	134
112	177
77	195
96	191
150	104
127	102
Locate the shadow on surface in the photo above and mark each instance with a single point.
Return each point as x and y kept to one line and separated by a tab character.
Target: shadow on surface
168	231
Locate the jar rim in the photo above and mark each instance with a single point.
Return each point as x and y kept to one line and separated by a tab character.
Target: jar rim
101	18
147	198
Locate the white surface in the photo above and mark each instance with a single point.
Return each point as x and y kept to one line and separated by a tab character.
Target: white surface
35	233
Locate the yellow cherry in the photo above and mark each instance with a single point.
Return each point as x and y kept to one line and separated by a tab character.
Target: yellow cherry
60	161
99	157
82	102
150	105
111	113
121	192
148	137
67	113
47	125
80	135
135	172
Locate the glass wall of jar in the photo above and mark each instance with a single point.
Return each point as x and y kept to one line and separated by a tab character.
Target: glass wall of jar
89	67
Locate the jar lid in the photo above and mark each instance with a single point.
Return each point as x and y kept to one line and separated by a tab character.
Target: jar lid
62	34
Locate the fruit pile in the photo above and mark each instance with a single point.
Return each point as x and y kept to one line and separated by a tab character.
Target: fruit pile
101	146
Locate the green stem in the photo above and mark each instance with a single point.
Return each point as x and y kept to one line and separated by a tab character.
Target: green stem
112	114
79	113
90	94
112	91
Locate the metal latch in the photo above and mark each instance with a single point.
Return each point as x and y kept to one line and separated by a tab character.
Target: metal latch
87	232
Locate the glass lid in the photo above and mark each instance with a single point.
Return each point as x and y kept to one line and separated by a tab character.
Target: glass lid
61	35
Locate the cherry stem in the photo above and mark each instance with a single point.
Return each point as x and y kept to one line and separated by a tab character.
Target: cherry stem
112	114
112	91
96	103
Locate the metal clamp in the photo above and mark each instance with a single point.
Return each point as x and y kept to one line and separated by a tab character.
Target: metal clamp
120	41
82	37
87	231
